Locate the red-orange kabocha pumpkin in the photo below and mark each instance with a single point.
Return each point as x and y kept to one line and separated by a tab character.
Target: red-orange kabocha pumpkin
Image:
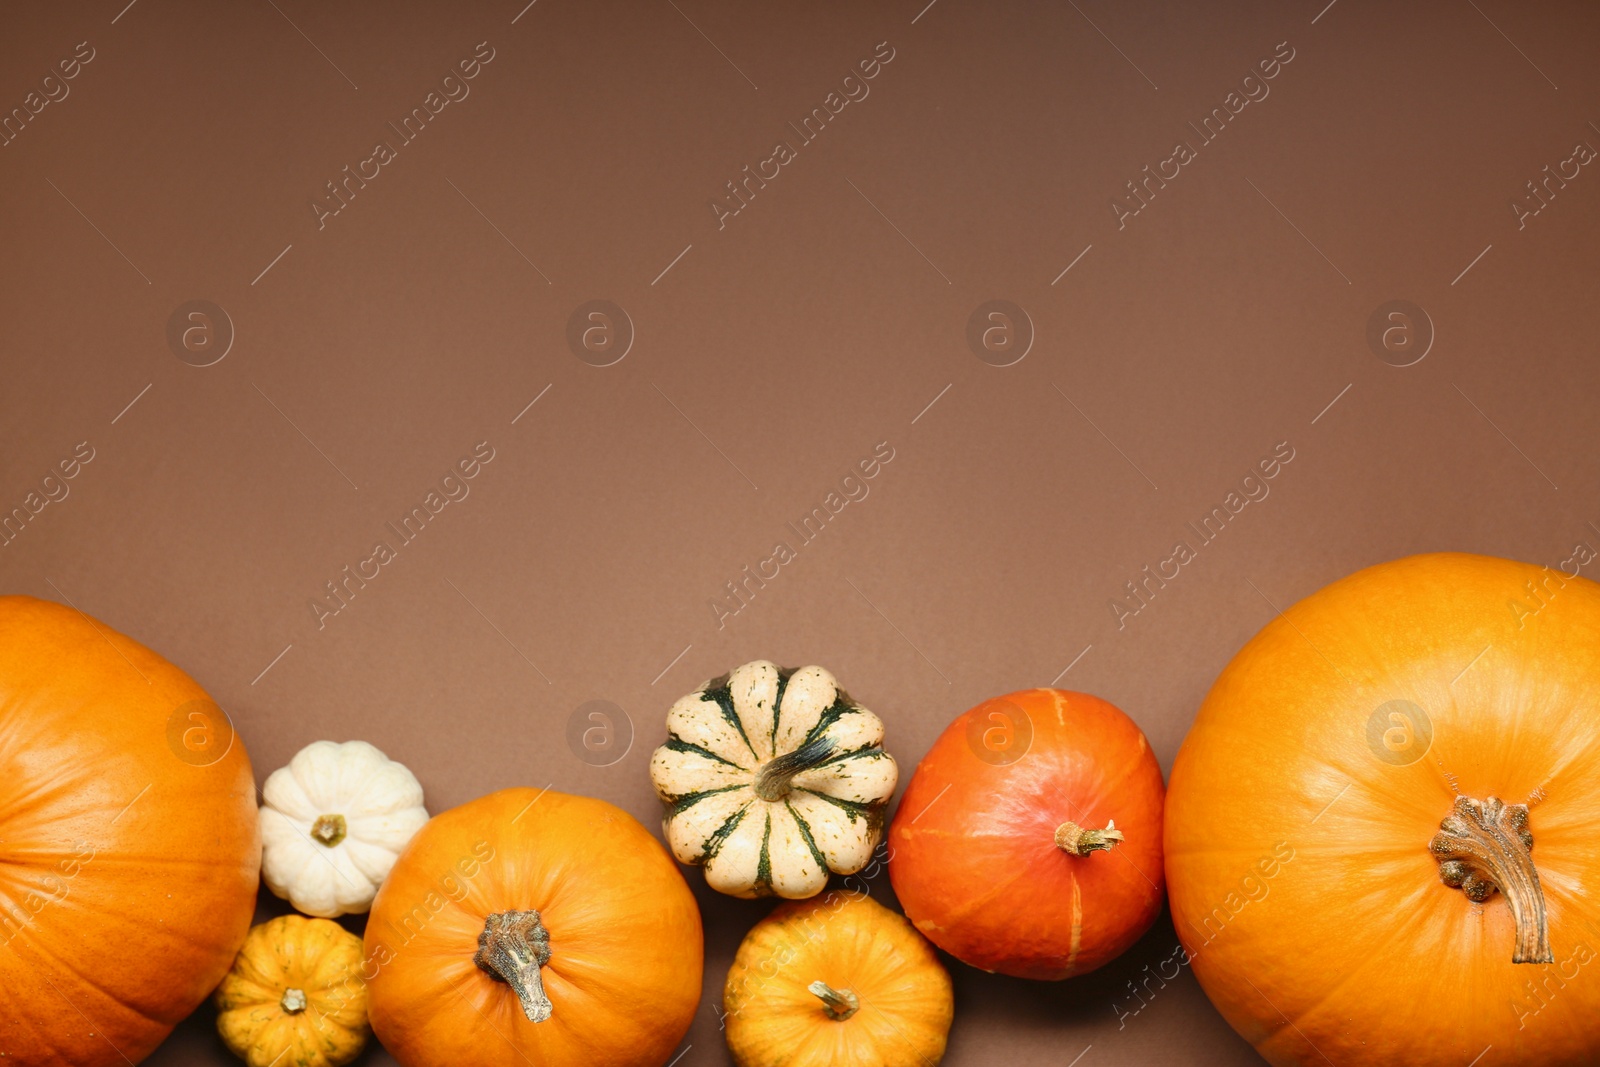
1029	839
1381	831
129	856
533	927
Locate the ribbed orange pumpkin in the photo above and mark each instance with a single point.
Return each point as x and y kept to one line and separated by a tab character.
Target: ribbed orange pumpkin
129	856
533	927
837	979
1381	829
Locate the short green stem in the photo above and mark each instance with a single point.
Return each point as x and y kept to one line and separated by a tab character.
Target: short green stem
1078	841
773	783
329	830
840	1004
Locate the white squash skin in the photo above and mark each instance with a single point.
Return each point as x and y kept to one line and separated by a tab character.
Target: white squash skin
382	805
863	779
810	692
732	868
857	729
699	722
795	871
839	836
678	774
859	774
755	694
691	832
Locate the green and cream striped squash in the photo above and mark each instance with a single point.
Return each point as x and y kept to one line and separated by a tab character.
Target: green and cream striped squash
772	778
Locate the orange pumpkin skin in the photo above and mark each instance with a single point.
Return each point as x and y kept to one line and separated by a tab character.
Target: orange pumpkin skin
837	979
973	856
1303	803
128	872
626	949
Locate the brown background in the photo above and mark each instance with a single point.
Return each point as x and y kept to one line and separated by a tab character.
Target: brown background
772	356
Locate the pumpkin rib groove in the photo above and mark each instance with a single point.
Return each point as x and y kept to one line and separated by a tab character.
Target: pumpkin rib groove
853	807
288	796
866	751
41	1037
784	674
723	698
193	940
1305	1012
688	800
1568	757
764	864
112	998
997	888
678	744
840	707
43	793
1075	945
714	843
132	859
805	834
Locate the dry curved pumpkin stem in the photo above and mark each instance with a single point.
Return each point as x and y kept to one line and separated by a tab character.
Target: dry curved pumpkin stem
840	1004
1079	841
1486	845
512	948
772	784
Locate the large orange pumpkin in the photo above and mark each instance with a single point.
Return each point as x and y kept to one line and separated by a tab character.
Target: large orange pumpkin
1381	829
1029	839
533	927
129	856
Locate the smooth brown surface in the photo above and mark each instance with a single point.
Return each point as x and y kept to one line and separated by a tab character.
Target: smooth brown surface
773	355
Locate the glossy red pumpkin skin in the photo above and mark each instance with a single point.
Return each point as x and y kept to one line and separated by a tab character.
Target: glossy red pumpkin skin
129	853
973	856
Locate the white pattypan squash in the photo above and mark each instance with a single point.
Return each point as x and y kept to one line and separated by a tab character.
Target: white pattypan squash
772	778
332	824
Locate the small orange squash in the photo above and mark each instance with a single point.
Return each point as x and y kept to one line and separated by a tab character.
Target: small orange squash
295	997
1380	835
531	926
129	856
839	979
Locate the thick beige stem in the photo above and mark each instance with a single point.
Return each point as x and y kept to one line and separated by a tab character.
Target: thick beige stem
1486	845
512	948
